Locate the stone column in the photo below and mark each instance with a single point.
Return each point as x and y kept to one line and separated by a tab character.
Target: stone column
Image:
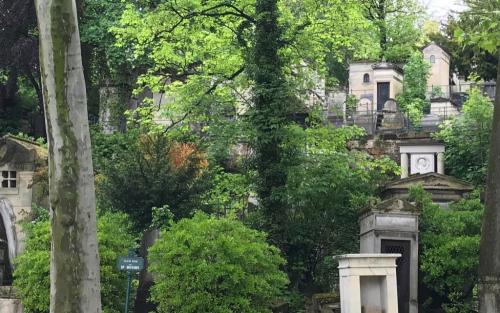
350	289
404	165
391	292
440	162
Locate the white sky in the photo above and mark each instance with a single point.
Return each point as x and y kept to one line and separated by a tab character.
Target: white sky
439	9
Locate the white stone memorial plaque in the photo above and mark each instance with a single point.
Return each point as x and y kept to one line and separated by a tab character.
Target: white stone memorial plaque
422	163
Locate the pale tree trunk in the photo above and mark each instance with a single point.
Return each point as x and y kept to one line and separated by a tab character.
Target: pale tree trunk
74	266
489	263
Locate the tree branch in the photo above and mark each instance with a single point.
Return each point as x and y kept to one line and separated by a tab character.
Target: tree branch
207	92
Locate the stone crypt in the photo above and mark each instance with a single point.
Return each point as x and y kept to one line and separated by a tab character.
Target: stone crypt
20	161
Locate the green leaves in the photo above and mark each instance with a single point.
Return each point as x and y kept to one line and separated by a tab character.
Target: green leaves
32	272
206	264
484	31
327	187
467	138
413	98
450	250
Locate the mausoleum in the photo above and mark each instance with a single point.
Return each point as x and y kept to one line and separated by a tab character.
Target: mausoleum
22	167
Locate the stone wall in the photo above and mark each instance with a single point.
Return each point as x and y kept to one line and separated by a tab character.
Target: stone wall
9	303
388	144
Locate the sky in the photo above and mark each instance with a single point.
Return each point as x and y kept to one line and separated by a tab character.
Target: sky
439	9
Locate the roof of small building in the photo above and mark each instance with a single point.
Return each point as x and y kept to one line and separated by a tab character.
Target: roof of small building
431	181
433	43
18	150
387	65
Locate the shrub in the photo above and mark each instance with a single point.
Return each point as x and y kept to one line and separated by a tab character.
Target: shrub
32	272
207	264
449	251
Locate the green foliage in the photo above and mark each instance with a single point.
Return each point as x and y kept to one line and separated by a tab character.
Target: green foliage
413	98
40	141
404	30
140	170
115	238
18	111
351	103
327	187
437	92
465	57
162	217
467	138
202	53
32	268
32	272
397	24
208	264
484	28
229	192
449	251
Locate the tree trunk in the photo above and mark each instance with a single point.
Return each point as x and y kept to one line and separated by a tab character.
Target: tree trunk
38	129
382	25
74	266
270	116
489	261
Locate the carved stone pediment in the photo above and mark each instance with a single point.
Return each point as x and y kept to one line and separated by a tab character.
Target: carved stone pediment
395	205
443	188
431	181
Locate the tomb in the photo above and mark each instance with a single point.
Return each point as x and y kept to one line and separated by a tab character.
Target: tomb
368	283
421	158
443	189
20	161
392	227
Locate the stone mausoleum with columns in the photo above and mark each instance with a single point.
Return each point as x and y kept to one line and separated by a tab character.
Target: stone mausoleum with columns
392	226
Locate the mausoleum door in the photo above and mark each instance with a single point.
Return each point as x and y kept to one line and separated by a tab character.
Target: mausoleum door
402	270
383	93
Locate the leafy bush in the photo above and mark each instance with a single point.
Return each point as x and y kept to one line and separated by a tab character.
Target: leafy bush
32	272
217	265
413	98
449	252
467	138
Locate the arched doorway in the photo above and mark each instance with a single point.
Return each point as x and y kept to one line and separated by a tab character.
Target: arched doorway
7	242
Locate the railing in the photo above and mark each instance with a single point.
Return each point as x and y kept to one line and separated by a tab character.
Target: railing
373	121
458	93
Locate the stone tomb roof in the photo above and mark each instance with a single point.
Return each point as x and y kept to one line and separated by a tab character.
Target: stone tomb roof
21	154
442	188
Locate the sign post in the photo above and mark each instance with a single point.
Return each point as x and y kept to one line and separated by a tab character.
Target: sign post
131	264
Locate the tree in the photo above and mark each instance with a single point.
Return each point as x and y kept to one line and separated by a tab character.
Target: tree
465	58
466	138
413	98
210	79
19	63
327	188
206	264
74	262
450	284
273	106
397	27
32	272
485	34
145	168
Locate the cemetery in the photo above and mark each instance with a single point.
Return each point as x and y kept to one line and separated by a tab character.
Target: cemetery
249	156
